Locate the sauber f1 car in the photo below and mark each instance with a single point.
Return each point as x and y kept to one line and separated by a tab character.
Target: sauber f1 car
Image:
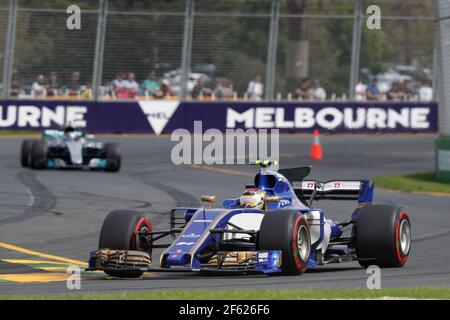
271	228
69	148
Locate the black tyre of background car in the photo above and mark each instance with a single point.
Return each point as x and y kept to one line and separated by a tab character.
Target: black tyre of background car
25	152
119	231
38	155
113	157
379	232
281	230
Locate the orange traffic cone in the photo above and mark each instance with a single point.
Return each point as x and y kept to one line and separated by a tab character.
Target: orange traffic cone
316	148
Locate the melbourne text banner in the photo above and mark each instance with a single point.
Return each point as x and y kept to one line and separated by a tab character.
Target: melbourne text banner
165	116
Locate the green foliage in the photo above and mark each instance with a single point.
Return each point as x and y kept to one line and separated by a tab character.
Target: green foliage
374	48
418	182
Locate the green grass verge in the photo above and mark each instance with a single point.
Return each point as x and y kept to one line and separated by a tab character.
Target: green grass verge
12	133
417	293
418	182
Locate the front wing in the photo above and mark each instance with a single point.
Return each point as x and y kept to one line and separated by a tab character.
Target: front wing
57	163
234	261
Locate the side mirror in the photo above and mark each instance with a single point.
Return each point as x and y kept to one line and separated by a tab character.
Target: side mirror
272	199
208	198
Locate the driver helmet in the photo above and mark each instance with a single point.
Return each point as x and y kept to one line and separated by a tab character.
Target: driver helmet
68	130
252	198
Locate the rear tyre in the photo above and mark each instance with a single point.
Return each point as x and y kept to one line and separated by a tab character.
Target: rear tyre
25	153
120	232
288	231
383	236
38	155
113	157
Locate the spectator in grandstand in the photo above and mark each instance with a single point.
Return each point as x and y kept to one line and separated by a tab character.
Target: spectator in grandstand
360	91
223	89
426	91
53	84
407	88
151	86
166	88
86	91
218	90
74	86
38	87
131	86
373	92
396	92
200	90
119	86
303	92
317	92
255	89
230	89
16	89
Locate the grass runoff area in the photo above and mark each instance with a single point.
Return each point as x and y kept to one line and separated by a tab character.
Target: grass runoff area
417	182
12	133
299	294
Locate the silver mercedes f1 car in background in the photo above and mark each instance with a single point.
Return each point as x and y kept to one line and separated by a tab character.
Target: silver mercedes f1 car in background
70	148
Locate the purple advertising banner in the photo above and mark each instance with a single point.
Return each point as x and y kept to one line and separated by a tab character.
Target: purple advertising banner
165	116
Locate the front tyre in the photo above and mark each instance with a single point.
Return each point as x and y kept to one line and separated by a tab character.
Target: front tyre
25	153
120	231
38	159
288	231
383	236
113	157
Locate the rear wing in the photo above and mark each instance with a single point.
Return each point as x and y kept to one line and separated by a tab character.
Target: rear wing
309	190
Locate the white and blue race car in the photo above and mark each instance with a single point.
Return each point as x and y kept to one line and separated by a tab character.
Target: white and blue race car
69	148
272	228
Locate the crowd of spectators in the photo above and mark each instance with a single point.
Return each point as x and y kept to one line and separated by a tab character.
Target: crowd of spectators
224	89
398	91
125	86
49	86
310	90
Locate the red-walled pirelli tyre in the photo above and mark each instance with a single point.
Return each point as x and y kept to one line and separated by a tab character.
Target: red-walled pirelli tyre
120	231
383	236
288	231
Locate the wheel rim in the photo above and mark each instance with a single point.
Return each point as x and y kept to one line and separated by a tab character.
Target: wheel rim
303	243
137	240
405	237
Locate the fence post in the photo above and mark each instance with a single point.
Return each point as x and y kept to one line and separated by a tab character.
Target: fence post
441	83
99	48
187	47
9	48
441	64
272	50
356	48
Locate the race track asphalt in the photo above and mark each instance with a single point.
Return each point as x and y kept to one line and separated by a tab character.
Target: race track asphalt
59	213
